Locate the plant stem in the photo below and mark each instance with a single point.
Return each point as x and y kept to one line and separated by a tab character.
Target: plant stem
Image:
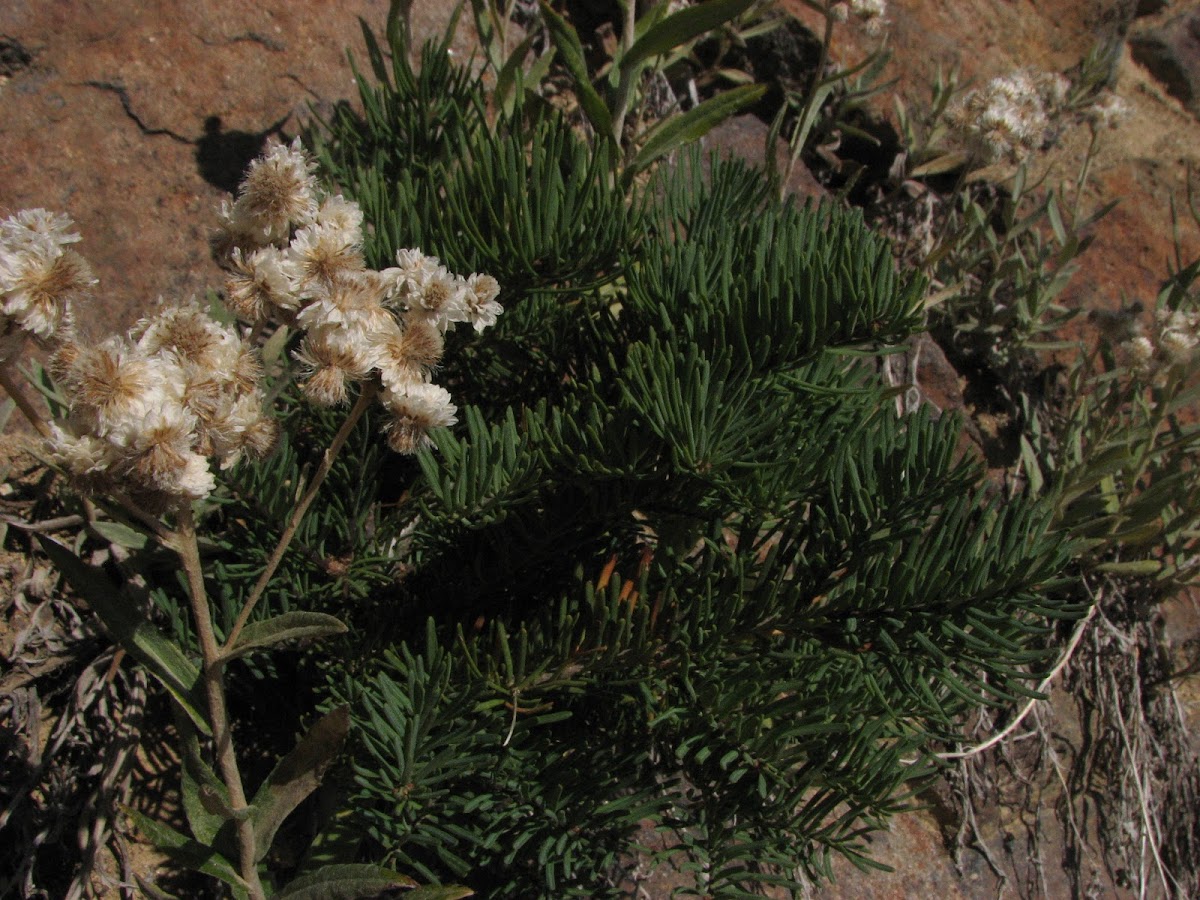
370	389
214	688
13	389
1084	170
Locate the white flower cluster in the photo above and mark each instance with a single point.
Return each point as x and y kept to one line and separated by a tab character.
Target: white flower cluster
147	411
297	258
1173	344
1009	116
39	277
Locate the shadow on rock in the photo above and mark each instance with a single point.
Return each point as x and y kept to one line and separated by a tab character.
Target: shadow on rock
222	157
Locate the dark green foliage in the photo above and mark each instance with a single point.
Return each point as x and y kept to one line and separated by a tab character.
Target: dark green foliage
772	286
680	567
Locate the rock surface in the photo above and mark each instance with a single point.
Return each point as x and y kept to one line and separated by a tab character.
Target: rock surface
1171	53
137	119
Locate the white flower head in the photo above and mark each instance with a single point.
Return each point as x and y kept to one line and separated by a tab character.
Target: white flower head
278	193
160	459
322	255
407	353
342	216
39	280
415	410
261	281
37	227
81	455
190	333
236	429
872	13
1177	336
1141	353
353	302
413	269
1109	112
115	386
481	294
331	358
441	298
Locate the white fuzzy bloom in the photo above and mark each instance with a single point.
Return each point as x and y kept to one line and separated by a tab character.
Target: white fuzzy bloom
322	255
415	410
195	480
1109	112
38	286
82	455
1141	352
407	353
277	194
441	298
352	302
158	405
1177	346
40	278
413	269
1055	89
1177	336
331	358
37	227
147	415
160	459
1007	117
260	281
114	387
291	249
189	332
481	293
871	12
342	216
232	428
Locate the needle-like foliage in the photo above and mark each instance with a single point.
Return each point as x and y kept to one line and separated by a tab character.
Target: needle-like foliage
681	583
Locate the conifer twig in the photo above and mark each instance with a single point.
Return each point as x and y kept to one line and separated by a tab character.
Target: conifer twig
1033	701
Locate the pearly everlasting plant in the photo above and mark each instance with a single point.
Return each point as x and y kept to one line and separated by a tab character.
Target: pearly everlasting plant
298	261
153	416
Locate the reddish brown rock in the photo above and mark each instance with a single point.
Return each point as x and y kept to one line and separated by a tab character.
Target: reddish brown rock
745	136
1171	53
136	119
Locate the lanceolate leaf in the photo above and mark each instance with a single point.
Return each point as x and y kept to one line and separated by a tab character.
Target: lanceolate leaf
291	626
676	30
353	881
297	775
693	124
187	852
199	781
121	535
571	50
129	628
